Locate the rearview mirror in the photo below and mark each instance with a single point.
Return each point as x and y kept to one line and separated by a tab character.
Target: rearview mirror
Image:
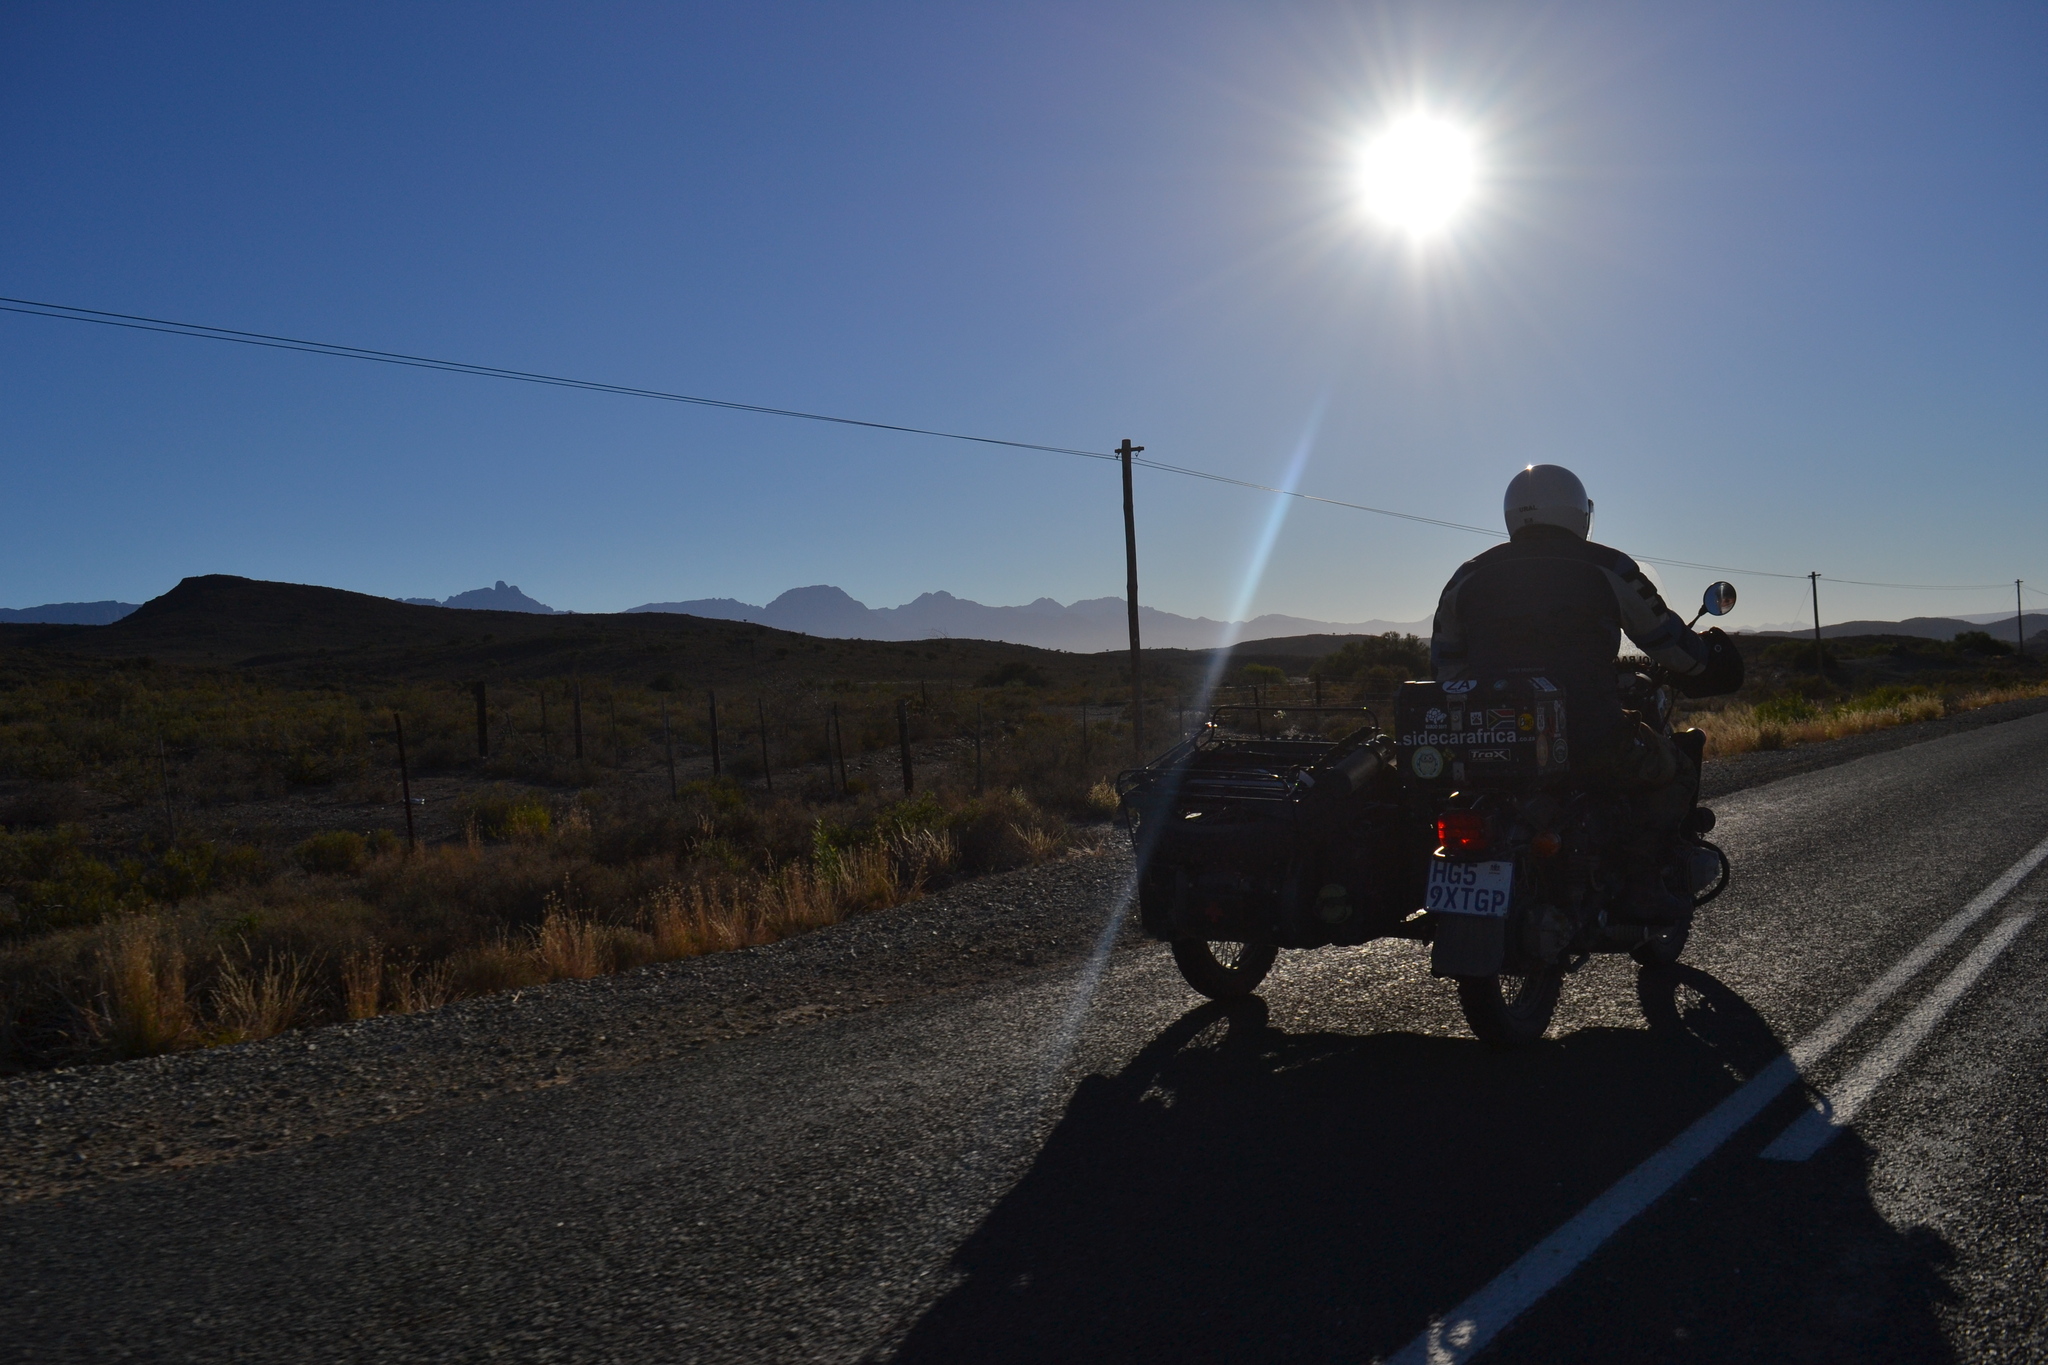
1720	599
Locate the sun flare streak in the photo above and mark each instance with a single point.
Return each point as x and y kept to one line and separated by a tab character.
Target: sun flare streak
1262	554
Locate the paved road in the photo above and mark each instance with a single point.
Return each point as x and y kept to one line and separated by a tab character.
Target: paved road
1102	1168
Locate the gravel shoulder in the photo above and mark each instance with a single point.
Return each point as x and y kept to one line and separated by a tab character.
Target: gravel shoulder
81	1127
84	1126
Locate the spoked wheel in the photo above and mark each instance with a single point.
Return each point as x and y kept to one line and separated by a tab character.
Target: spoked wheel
1223	971
1510	1011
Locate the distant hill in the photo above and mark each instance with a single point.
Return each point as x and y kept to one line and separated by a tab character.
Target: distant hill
499	598
68	613
1086	626
1924	627
321	634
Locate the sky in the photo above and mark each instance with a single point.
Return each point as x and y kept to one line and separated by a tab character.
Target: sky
1768	276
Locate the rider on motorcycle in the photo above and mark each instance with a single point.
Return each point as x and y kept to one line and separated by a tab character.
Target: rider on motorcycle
1553	601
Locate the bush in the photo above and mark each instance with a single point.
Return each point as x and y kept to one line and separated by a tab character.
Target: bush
1786	708
501	811
1376	659
1980	642
338	852
1016	671
52	883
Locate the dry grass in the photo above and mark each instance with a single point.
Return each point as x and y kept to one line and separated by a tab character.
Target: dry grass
601	885
143	1006
1781	723
362	982
249	1004
413	986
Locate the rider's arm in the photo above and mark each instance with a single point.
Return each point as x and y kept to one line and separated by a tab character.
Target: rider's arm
1655	628
1447	635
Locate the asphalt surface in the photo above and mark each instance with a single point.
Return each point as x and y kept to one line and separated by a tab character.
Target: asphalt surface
1095	1165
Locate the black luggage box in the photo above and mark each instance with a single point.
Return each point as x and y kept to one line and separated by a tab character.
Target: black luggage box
1480	732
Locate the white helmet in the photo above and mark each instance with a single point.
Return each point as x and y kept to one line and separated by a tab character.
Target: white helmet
1548	495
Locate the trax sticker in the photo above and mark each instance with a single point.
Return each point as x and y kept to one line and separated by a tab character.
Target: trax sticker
1488	756
1428	763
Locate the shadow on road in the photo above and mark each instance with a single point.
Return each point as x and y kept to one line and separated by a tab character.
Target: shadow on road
1241	1193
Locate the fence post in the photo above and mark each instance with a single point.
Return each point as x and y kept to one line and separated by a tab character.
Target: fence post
977	746
839	748
404	779
1084	741
767	774
163	773
668	748
715	768
903	739
483	723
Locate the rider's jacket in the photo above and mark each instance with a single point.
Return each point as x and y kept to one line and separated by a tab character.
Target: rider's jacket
1550	601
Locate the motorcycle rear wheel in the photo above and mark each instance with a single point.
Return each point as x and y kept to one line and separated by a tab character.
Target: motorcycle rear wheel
1510	1011
1223	971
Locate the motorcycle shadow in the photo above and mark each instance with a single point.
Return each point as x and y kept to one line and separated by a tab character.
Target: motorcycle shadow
1242	1193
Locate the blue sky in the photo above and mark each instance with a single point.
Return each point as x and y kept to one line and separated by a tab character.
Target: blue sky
1768	276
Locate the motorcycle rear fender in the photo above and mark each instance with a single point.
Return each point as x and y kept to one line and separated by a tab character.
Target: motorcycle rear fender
1468	945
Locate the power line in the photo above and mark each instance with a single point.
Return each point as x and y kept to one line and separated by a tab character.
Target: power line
136	322
132	322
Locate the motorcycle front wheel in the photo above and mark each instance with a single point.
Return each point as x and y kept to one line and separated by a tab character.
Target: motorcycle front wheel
1223	971
1510	1011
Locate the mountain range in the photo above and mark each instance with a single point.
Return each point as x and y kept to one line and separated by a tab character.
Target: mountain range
1083	627
499	598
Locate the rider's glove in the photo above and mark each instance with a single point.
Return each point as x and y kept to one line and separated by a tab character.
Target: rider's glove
1723	671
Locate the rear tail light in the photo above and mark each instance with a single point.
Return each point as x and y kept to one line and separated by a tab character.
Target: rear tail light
1462	831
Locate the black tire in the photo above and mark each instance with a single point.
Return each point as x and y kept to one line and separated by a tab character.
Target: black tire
1510	1011
1223	971
1664	944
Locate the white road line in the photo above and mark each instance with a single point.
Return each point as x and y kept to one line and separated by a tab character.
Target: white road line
1815	1128
1467	1329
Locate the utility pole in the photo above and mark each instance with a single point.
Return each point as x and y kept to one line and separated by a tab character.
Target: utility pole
1820	660
1124	453
668	747
715	768
404	780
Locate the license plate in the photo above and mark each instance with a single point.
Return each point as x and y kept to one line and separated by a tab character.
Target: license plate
1469	888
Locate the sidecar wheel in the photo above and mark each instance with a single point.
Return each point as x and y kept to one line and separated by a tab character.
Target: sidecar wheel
1223	971
1663	946
1510	1011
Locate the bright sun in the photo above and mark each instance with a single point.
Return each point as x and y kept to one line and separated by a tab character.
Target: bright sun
1417	174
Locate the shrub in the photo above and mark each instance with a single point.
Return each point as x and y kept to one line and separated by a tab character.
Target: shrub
1374	658
54	884
1786	708
501	811
1016	671
1980	642
335	853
